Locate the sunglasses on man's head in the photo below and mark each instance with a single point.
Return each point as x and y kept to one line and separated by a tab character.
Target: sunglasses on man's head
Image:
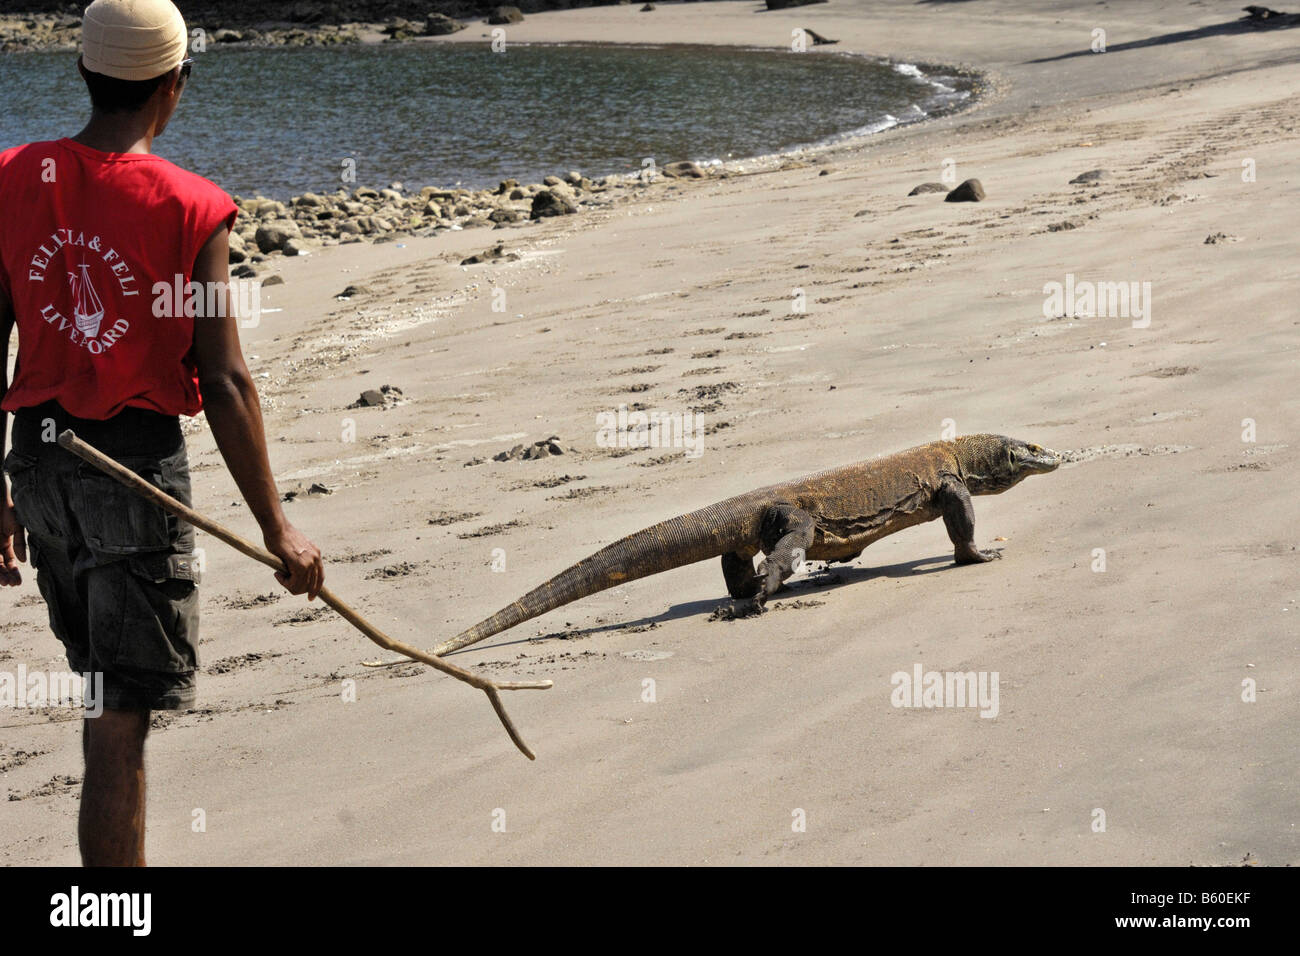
187	64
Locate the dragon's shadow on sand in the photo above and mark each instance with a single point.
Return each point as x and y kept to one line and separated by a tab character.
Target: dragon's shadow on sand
823	578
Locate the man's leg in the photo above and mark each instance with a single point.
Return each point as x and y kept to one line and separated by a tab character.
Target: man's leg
136	572
110	829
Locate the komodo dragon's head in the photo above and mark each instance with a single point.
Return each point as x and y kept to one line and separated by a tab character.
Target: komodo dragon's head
990	464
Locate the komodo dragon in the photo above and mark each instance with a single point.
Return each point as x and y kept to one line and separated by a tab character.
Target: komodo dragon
829	516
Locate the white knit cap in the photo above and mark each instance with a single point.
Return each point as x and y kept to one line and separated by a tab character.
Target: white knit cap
132	39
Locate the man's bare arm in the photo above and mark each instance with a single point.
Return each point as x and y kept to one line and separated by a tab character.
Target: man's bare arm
13	543
235	415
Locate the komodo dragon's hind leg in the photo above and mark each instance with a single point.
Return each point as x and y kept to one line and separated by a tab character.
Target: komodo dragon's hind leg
786	537
738	570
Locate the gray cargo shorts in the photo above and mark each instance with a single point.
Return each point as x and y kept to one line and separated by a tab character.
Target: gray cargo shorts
117	573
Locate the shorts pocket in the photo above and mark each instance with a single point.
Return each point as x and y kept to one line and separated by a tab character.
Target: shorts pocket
145	625
115	521
36	496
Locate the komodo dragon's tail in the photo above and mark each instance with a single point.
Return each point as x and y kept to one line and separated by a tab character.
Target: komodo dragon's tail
683	540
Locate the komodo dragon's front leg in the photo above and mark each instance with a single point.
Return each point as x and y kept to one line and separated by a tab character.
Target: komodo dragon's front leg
786	535
959	518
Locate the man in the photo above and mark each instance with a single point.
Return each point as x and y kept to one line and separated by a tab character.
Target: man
89	225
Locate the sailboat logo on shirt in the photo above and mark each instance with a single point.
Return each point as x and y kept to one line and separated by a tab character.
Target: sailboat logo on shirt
88	308
87	328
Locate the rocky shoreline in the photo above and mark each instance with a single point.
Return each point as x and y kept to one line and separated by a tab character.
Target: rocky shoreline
61	33
268	229
32	27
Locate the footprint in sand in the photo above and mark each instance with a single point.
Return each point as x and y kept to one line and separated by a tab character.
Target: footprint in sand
490	530
241	602
306	615
451	517
228	665
19	757
60	784
400	570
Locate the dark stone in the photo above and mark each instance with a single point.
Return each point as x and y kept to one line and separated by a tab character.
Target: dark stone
439	24
491	255
551	202
929	188
969	191
540	449
271	236
786	4
683	170
399	29
1091	176
499	15
382	397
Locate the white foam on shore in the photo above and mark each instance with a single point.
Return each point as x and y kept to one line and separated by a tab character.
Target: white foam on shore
943	98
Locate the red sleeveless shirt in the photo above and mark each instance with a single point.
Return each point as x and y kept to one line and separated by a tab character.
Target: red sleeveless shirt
84	238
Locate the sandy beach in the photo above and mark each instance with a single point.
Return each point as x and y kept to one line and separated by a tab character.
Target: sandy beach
1121	690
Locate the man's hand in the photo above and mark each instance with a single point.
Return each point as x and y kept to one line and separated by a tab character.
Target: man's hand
13	544
306	573
235	416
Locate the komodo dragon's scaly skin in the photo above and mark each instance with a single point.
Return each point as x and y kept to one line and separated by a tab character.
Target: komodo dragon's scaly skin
829	516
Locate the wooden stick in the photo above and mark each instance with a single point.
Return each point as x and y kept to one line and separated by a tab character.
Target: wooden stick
165	501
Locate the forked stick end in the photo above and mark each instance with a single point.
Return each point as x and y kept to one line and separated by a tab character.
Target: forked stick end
507	723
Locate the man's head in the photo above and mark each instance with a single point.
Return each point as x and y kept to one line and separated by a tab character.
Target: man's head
990	464
132	56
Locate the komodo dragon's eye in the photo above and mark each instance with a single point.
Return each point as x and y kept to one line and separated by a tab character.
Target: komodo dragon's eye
1011	456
